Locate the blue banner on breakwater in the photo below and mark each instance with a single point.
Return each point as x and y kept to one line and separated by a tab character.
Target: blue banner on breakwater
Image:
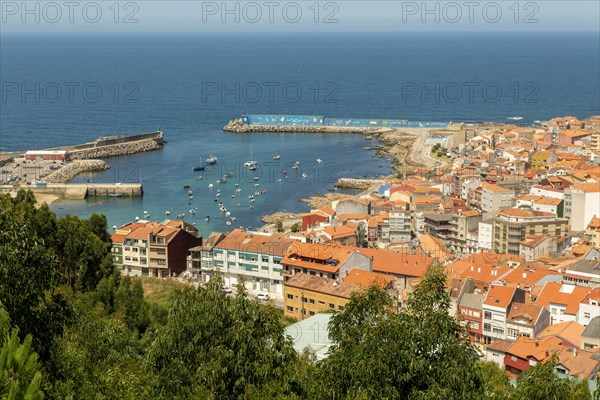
283	120
319	120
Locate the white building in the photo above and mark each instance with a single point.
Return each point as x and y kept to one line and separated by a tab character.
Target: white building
582	202
484	237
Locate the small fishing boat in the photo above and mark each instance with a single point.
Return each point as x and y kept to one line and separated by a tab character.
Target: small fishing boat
199	178
256	184
199	167
210	185
304	176
115	195
285	171
233	196
263	191
190	192
276	156
227	174
216	199
187	186
256	178
167	212
207	218
228	222
319	161
296	165
279	180
211	160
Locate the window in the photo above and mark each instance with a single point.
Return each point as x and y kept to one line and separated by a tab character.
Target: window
331	306
311	301
513	333
311	313
586	315
304	299
487	315
322	303
290	296
340	308
474	325
290	308
513	358
487	327
265	259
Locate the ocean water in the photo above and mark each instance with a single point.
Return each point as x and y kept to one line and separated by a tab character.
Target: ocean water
60	90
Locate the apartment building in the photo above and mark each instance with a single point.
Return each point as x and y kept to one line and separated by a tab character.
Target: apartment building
254	258
582	202
154	249
513	225
495	197
496	307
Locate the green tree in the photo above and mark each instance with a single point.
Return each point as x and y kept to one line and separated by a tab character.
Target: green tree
218	346
541	382
295	227
497	385
129	300
418	353
279	226
20	376
28	277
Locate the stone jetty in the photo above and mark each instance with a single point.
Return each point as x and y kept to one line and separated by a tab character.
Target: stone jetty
359	184
71	169
237	126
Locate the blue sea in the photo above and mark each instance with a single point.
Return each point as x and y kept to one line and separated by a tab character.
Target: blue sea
60	90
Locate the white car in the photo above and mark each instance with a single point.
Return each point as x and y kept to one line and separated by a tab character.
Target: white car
262	296
226	289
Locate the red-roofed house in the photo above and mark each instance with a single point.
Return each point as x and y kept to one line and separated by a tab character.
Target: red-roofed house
496	307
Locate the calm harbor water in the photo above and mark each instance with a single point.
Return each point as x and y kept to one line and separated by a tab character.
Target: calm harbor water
60	90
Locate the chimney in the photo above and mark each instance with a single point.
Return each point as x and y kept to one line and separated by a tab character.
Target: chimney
524	275
537	343
574	349
478	269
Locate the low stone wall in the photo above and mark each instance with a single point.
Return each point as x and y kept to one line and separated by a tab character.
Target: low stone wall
360	184
70	170
237	126
120	149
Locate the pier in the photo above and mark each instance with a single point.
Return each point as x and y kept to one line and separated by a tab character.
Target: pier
78	191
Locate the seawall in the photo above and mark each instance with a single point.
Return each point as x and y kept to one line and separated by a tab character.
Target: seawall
237	126
83	190
112	146
70	170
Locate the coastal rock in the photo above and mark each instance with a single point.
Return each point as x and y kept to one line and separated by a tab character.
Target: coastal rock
359	184
279	216
70	170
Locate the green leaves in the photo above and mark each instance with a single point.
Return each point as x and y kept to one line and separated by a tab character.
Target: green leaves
20	377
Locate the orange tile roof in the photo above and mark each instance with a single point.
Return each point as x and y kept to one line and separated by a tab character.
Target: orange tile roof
398	263
570	331
526	276
434	247
251	242
366	278
519	212
311	255
539	349
342	217
326	210
499	296
117	238
324	285
568	295
339	231
494	188
518	311
588	187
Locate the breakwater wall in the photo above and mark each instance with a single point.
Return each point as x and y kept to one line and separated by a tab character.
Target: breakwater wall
82	190
237	126
71	169
112	146
361	184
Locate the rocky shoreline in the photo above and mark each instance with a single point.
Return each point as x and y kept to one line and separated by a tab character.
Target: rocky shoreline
358	184
70	170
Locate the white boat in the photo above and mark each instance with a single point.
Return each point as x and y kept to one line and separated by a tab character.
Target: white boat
212	160
304	176
256	184
253	167
210	185
228	222
256	178
199	178
279	180
319	161
276	156
250	164
296	165
167	212
515	118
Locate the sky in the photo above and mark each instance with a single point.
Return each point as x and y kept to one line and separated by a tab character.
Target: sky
298	16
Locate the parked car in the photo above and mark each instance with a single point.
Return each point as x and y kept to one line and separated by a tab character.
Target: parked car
262	296
226	289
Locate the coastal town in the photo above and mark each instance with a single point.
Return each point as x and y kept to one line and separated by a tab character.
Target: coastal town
511	212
